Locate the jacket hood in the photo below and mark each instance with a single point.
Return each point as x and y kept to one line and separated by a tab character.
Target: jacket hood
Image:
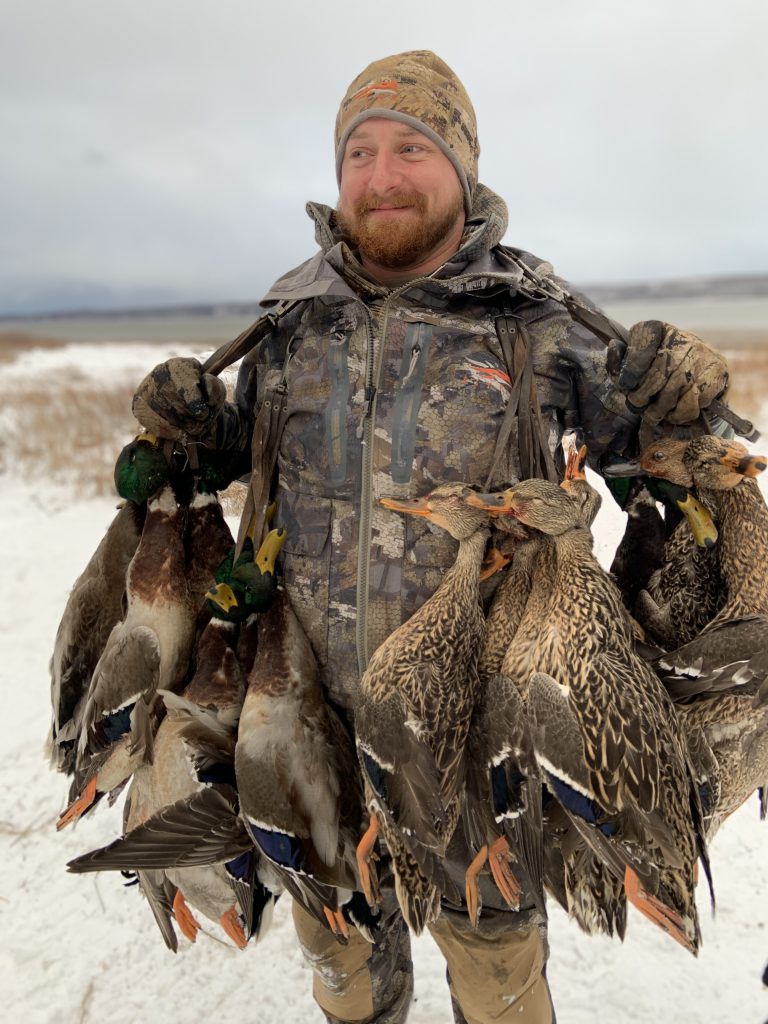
325	273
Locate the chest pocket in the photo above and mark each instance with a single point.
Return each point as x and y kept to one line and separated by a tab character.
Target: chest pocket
406	411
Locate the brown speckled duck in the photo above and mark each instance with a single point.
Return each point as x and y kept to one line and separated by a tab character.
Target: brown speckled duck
604	729
413	712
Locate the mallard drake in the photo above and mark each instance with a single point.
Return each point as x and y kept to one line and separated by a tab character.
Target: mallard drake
604	728
149	650
207	540
296	775
94	607
183	821
147	463
247	586
413	710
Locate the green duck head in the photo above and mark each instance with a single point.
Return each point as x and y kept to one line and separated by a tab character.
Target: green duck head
141	469
250	584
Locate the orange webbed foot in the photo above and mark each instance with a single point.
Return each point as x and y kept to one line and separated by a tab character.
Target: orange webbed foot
470	885
365	855
651	907
79	806
230	922
499	859
184	917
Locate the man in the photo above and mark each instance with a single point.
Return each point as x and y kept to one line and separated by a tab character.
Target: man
400	344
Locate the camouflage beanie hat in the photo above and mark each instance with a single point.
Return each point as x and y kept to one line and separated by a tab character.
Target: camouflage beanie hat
420	90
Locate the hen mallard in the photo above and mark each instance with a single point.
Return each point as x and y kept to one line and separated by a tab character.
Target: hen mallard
297	778
413	711
94	607
148	650
568	866
604	728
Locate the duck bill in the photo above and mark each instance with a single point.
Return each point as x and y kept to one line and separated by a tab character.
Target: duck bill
498	504
700	521
270	548
223	596
409	506
631	467
744	464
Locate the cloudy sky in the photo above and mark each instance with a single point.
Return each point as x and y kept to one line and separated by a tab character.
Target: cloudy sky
163	150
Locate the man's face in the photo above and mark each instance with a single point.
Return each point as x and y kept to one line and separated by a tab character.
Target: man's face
400	197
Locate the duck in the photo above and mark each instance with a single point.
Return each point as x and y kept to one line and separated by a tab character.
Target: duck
246	585
295	767
412	715
562	860
148	463
603	726
655	550
93	608
718	678
183	831
147	651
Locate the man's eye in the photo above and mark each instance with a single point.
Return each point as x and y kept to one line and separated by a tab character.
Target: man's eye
411	148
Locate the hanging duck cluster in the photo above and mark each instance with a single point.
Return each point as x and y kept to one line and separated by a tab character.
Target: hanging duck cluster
182	669
587	737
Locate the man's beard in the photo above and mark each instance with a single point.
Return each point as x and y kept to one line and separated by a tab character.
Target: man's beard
397	243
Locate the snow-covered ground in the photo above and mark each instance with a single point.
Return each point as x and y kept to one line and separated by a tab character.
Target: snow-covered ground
86	949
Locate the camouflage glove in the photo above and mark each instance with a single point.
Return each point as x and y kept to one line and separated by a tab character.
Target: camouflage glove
667	373
178	401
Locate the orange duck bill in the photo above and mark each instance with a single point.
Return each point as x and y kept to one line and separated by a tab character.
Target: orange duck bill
501	503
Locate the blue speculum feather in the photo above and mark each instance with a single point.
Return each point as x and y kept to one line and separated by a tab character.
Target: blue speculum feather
218	773
280	848
582	806
505	797
117	724
241	867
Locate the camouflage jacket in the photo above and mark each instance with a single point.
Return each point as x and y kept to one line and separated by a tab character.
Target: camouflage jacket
392	392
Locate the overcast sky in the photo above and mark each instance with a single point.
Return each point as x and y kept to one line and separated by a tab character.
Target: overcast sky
163	150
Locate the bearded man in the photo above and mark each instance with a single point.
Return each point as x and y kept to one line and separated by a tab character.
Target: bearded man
389	343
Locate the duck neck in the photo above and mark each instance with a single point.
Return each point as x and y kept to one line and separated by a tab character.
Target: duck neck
465	571
742	518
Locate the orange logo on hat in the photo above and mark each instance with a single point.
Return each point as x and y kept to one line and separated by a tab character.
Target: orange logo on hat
378	87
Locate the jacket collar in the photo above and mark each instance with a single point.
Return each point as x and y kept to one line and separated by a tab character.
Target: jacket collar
336	273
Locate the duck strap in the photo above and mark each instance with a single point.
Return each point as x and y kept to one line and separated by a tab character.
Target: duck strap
267	431
248	339
535	458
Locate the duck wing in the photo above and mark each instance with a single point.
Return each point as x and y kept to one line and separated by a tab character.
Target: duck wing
728	655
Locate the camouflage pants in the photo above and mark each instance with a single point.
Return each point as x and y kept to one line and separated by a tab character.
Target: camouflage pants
495	972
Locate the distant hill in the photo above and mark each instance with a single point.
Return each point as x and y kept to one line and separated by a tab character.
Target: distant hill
737	287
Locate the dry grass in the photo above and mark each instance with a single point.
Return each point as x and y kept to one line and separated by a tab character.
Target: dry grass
748	393
12	343
68	433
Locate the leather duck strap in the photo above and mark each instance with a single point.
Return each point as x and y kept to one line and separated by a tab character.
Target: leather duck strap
535	458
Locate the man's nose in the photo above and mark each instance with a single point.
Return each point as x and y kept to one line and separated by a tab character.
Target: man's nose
386	173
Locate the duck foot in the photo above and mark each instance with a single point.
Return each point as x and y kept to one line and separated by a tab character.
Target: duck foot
470	885
652	908
365	855
79	805
230	923
499	859
493	562
337	924
184	917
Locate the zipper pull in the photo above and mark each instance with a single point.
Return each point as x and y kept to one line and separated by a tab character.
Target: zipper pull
368	396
